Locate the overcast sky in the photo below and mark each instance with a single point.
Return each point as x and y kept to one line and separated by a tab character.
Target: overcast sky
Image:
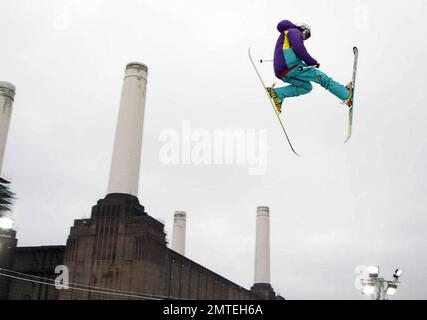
337	207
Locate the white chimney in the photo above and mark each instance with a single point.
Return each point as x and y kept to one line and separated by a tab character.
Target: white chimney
262	246
124	174
178	235
7	94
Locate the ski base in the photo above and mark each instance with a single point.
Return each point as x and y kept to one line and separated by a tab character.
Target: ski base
350	112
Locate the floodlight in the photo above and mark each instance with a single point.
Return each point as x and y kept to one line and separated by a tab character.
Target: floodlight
6	222
368	287
391	289
373	271
378	287
398	273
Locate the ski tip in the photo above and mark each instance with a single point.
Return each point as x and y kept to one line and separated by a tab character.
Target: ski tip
295	153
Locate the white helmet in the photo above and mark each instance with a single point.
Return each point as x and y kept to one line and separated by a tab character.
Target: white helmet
303	25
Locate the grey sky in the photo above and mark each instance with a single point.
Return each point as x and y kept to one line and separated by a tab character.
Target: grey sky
337	207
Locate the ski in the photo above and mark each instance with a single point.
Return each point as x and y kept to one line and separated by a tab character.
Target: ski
272	103
350	112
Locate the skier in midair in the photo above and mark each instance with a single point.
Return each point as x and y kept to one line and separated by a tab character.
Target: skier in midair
289	55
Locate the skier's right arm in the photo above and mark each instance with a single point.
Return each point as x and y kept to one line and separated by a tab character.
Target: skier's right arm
297	43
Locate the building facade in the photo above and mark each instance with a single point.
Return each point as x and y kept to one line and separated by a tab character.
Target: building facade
119	253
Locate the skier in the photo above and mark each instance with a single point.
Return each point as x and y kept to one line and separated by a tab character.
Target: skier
290	55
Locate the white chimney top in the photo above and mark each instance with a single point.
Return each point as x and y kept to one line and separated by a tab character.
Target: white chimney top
262	246
7	94
124	173
178	235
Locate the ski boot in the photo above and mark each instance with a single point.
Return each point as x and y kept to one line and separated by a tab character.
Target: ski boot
349	101
277	102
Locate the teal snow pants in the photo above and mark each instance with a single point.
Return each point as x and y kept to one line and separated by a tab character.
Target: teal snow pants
300	83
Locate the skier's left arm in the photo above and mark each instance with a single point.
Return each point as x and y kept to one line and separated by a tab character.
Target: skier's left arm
297	43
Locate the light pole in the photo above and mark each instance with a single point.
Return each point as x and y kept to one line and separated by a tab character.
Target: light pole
378	287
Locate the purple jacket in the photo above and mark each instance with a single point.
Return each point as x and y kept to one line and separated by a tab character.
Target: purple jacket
294	36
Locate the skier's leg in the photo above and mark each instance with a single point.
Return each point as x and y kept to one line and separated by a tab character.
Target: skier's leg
295	88
326	82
